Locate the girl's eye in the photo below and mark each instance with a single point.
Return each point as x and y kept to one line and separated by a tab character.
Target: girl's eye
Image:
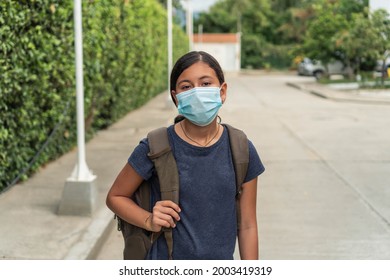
185	87
206	84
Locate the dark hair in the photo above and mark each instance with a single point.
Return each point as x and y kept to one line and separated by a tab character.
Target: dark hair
186	61
191	58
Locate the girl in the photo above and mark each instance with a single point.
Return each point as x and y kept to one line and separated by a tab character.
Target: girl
204	223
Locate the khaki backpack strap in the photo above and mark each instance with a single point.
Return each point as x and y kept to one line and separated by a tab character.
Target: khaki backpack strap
240	153
168	175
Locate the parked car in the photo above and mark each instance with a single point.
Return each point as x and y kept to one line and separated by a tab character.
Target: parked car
383	68
309	67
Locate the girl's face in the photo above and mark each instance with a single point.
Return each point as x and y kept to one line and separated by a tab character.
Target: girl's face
199	74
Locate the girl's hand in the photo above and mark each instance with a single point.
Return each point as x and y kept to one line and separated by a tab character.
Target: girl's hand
165	214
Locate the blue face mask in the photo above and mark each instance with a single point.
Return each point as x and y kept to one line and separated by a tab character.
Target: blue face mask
200	105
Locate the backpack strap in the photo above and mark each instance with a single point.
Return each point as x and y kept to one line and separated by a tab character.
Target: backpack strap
162	157
240	154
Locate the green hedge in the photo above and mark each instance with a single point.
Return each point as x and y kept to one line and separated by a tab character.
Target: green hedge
125	58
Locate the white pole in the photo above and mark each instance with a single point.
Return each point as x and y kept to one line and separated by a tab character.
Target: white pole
169	9
169	103
200	33
81	171
79	196
189	24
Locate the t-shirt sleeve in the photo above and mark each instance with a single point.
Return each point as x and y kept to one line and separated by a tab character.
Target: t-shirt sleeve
255	167
140	161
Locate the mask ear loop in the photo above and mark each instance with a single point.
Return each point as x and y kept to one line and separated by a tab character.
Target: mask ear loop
219	118
220	88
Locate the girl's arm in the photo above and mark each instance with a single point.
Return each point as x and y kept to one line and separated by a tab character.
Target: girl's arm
247	233
118	200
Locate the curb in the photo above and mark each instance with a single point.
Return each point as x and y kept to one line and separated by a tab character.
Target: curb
338	96
94	237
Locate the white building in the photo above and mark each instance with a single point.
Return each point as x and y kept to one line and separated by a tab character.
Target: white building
225	47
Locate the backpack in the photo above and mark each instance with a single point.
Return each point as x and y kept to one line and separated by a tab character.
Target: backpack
138	240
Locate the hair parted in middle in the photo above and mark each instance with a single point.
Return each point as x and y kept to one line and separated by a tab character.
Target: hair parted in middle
191	58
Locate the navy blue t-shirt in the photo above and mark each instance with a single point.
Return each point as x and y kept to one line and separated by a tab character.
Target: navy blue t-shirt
207	228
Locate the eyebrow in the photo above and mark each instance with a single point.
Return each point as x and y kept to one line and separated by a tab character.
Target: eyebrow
183	81
204	77
201	78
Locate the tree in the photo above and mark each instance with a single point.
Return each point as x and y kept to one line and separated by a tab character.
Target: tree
175	3
251	18
355	42
340	31
350	7
307	26
281	6
318	39
347	33
381	27
293	27
219	19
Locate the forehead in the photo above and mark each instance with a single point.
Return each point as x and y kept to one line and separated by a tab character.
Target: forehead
196	71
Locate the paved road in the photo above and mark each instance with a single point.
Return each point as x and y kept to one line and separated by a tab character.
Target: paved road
326	190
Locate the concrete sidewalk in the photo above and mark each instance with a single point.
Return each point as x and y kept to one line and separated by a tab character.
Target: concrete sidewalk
30	227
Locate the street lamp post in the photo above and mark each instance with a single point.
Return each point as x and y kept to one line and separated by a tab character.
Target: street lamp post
169	44
79	194
189	25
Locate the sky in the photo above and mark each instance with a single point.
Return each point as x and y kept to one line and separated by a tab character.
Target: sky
376	4
201	5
